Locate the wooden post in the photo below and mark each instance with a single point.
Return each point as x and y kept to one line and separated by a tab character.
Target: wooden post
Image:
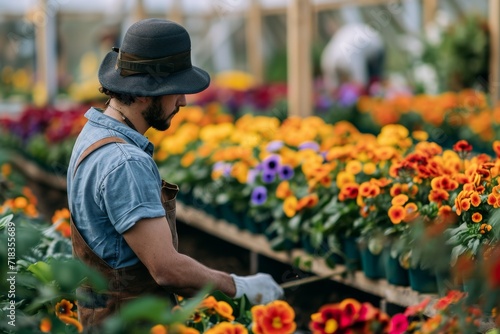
175	13
429	8
46	69
140	11
254	41
299	58
494	24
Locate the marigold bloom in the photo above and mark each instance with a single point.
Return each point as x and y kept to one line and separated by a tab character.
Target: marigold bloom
411	212
396	213
227	328
477	217
64	307
45	325
72	321
308	201
344	178
20	202
277	317
496	148
290	206
475	199
369	168
348	191
438	195
465	204
396	189
354	167
283	190
6	170
224	310
158	329
462	146
399	200
208	303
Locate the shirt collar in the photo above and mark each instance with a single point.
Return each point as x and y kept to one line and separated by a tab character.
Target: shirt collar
95	115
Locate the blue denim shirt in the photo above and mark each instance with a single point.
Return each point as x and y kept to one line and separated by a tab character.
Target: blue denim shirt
113	188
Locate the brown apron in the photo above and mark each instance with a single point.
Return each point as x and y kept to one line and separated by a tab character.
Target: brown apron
124	283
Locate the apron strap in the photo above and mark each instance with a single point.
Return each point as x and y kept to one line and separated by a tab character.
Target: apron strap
95	146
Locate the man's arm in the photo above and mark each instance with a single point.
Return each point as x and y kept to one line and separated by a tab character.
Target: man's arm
151	240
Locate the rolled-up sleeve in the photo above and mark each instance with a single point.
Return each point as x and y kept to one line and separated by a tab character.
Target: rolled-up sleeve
129	193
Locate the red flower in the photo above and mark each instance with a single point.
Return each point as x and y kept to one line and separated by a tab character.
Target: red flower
462	146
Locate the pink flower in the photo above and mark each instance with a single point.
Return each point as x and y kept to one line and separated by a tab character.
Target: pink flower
399	324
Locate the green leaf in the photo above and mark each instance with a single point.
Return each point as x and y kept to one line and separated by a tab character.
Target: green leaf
456	252
5	220
41	271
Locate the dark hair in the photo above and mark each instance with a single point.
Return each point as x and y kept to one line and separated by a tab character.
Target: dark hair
123	98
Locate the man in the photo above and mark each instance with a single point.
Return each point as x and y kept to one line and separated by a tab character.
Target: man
123	213
355	54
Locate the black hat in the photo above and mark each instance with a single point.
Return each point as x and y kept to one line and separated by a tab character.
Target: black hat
153	60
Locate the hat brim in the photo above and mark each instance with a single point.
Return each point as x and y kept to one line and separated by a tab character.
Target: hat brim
190	81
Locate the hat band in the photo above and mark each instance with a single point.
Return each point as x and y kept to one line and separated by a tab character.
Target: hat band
130	64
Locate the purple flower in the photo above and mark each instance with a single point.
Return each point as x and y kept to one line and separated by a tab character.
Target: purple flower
268	177
309	145
271	164
259	195
285	172
274	145
224	167
252	174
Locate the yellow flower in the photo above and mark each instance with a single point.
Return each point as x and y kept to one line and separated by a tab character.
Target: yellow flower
6	170
344	178
237	80
290	206
188	159
369	168
354	167
158	329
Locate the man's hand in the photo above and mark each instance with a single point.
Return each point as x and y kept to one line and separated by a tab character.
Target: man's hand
260	288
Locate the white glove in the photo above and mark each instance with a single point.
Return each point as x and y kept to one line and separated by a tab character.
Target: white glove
259	288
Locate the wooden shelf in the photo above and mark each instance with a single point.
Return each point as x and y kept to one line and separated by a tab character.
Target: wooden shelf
403	296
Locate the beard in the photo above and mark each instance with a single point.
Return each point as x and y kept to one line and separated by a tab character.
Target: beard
155	117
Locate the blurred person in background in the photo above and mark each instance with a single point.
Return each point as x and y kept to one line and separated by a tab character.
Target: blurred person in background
352	63
123	213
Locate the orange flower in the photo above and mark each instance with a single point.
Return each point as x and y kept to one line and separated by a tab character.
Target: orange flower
475	199
396	189
411	212
6	170
158	329
290	206
438	195
224	310
465	204
45	325
484	228
283	190
462	146
72	321
349	191
64	307
277	317
20	202
208	303
227	328
308	201
369	168
477	217
354	167
396	213
344	178
399	200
